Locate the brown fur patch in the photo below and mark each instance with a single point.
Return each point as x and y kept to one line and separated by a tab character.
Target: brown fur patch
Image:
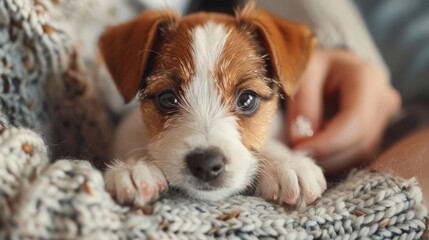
152	118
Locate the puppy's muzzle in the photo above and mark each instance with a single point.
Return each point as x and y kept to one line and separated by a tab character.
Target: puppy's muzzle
206	164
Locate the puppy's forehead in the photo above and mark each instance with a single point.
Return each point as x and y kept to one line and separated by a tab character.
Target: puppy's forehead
212	44
207	35
175	57
208	43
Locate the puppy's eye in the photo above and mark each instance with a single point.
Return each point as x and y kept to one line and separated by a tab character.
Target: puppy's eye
247	102
167	101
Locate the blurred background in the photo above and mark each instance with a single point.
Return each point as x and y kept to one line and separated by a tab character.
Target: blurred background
401	31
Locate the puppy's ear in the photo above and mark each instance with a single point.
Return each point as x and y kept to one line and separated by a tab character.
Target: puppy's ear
126	48
288	44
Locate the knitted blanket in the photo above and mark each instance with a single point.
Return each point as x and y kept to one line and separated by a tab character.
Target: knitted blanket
58	104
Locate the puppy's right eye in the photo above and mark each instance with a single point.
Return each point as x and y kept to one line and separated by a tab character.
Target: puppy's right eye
248	102
167	101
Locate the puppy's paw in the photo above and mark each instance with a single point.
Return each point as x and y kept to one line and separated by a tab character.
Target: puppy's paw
135	182
296	181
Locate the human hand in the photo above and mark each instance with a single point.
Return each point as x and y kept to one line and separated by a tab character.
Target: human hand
365	103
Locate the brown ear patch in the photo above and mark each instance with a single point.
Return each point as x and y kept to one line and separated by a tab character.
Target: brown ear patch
288	44
126	48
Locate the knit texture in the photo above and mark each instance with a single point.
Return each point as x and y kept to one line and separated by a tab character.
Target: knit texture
54	106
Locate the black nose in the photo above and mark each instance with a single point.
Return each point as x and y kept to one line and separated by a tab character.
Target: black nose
206	164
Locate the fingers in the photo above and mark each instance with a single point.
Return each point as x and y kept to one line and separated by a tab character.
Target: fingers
338	134
344	129
354	133
367	140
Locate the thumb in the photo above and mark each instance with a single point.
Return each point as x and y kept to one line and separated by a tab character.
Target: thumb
304	111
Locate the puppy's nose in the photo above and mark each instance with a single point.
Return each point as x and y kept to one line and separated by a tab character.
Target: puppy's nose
206	164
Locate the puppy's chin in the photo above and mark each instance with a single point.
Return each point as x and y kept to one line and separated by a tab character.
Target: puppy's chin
217	194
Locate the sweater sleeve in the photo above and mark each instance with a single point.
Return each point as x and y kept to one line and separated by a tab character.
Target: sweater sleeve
337	23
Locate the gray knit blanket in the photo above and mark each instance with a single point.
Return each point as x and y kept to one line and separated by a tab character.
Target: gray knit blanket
58	105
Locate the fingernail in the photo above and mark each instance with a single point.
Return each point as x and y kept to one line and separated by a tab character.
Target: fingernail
302	127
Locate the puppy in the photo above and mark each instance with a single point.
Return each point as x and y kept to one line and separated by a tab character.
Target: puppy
208	87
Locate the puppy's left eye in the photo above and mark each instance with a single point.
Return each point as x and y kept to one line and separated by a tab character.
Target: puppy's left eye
247	102
167	101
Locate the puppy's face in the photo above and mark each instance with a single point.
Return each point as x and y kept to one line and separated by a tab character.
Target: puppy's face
208	105
208	88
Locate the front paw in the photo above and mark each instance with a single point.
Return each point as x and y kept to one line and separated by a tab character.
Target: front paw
135	182
296	182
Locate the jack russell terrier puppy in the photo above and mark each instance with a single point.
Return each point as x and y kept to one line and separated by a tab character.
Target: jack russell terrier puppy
209	87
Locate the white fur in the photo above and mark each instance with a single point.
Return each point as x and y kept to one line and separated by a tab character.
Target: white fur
135	181
204	121
287	177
